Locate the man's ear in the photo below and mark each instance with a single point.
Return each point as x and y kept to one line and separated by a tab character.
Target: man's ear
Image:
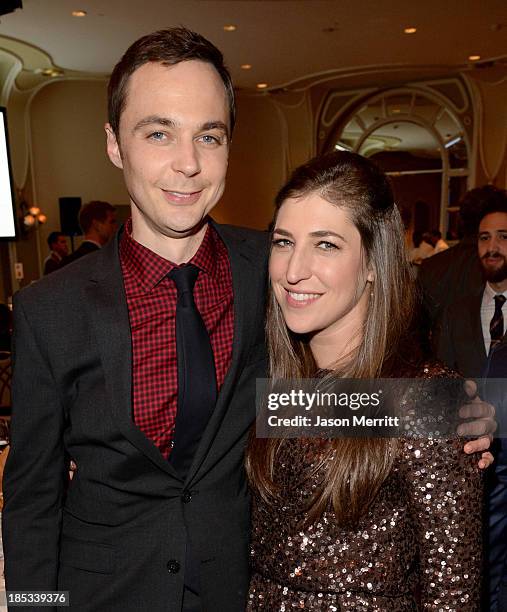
112	146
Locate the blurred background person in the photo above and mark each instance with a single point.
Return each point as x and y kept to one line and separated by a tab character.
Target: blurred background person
422	248
97	219
58	249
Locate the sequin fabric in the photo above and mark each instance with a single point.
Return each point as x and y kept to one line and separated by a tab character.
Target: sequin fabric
418	547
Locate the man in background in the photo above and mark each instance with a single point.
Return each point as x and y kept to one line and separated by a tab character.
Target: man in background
456	272
58	250
98	222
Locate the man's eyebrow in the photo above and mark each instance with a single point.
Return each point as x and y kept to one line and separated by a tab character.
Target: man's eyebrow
215	125
154	120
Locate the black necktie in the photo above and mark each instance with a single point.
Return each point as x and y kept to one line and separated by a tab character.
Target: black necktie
197	390
496	325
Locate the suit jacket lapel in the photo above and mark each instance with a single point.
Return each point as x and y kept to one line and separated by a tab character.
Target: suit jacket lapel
105	297
477	339
248	268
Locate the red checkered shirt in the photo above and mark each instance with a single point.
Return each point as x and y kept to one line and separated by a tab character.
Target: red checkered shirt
151	301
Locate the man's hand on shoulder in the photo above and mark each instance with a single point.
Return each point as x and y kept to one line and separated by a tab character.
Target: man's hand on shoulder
482	424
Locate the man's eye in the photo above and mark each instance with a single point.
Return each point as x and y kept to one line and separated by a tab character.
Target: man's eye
483	238
503	236
211	140
157	136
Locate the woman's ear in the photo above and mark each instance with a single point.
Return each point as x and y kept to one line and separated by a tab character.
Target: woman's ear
371	277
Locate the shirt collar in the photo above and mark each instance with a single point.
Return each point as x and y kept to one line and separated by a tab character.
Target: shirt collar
149	268
489	294
93	242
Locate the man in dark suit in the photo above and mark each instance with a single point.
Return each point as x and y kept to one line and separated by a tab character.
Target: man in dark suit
472	340
97	220
97	375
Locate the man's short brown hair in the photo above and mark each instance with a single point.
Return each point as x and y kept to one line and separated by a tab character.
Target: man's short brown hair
167	47
94	211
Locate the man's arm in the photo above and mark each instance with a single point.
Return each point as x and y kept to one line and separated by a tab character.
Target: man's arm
36	469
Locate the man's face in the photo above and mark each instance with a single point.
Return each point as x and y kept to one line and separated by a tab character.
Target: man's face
106	229
173	147
492	246
60	246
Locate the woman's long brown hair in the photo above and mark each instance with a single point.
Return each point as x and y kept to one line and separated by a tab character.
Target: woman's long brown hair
355	468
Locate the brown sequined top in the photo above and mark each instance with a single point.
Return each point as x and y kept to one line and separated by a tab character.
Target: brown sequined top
421	534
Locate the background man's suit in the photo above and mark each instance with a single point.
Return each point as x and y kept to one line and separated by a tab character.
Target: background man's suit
126	514
85	248
445	278
460	342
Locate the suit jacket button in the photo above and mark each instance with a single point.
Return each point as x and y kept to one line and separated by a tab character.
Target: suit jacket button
173	567
186	497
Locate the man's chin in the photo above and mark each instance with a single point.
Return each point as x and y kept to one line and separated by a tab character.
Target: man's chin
184	231
497	275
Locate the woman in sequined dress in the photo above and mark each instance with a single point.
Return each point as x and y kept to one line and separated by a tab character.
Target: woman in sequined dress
354	524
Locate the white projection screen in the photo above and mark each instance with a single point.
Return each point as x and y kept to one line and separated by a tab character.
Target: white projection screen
7	221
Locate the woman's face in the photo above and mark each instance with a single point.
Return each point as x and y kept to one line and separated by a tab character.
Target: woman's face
317	268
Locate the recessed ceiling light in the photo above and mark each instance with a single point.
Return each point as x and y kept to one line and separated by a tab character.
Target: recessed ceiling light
52	72
410	30
78	13
230	27
474	58
246	66
262	85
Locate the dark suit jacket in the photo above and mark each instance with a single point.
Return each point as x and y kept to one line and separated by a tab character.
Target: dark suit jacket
85	248
450	276
116	536
52	264
460	343
445	278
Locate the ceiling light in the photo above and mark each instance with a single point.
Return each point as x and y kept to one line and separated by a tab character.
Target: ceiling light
78	13
246	66
230	28
262	85
396	110
51	72
410	30
474	58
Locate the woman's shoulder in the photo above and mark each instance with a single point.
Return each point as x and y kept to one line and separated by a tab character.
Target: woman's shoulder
426	368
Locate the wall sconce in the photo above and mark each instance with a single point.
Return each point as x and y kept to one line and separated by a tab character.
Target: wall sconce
33	217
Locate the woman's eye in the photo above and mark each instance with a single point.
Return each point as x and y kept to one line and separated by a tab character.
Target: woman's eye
327	246
281	242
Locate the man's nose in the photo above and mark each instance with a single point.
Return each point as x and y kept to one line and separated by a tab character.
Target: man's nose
186	158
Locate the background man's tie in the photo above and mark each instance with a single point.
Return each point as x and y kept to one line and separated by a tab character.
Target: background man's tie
197	390
496	327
